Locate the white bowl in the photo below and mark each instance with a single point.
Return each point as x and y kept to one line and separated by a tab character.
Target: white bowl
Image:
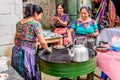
3	76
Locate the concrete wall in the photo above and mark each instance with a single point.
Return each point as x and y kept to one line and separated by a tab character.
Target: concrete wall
10	13
48	9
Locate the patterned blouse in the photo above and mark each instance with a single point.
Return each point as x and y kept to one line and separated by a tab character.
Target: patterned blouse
64	17
84	28
27	33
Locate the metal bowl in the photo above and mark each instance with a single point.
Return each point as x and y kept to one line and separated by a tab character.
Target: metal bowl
59	47
102	48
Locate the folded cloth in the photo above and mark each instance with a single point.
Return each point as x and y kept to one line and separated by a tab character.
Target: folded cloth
115	47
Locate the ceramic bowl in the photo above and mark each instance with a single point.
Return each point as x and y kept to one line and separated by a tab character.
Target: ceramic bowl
3	76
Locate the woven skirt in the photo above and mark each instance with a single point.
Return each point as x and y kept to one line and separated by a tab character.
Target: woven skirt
23	60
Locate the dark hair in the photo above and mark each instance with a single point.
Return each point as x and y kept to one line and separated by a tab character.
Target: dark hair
87	9
62	5
31	9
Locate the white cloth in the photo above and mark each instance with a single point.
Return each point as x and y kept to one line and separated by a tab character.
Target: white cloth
107	34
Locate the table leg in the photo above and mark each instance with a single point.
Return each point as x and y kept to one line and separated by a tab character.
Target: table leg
98	76
61	40
40	75
109	79
90	76
74	78
38	46
37	63
39	71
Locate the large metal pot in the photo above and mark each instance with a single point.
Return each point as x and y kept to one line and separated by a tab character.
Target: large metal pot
79	52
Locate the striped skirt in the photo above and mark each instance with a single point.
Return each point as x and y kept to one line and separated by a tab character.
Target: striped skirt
23	60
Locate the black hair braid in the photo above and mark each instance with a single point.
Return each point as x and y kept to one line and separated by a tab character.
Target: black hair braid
29	10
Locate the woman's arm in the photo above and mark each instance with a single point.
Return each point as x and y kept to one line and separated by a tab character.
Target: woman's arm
96	31
70	32
52	23
70	35
43	43
61	22
15	41
95	34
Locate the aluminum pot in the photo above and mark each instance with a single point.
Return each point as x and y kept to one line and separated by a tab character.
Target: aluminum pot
79	52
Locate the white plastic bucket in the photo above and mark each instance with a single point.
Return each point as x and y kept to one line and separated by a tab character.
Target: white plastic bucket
3	63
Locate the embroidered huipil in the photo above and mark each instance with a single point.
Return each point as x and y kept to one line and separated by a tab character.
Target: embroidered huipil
23	53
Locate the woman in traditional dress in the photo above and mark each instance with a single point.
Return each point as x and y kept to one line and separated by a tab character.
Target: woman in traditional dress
60	22
23	53
84	26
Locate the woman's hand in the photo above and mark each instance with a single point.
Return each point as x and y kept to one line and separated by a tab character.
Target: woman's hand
95	34
69	39
43	43
49	50
70	36
53	21
91	35
56	18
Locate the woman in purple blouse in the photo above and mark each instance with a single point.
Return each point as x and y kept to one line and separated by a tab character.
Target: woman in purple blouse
60	22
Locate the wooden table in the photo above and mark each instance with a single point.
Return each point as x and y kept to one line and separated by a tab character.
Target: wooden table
53	39
50	39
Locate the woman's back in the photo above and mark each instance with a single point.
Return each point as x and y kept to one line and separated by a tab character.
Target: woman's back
28	30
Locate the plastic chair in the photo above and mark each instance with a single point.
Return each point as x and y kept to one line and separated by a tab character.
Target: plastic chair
104	76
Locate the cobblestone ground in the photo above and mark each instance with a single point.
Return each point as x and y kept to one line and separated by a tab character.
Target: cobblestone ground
47	77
